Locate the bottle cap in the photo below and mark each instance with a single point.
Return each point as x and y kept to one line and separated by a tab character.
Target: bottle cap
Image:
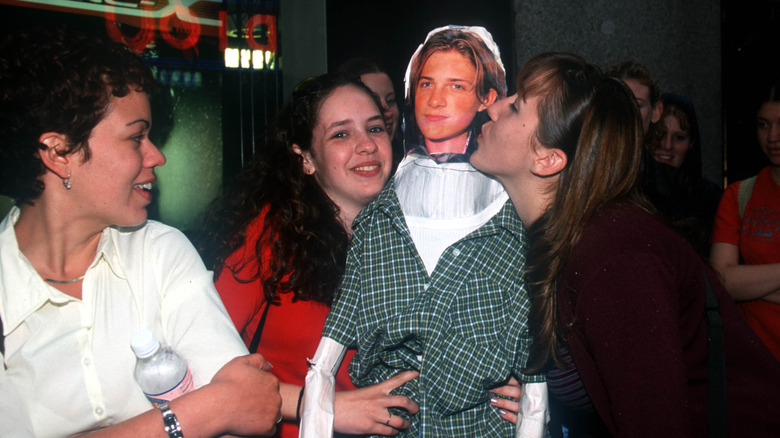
144	344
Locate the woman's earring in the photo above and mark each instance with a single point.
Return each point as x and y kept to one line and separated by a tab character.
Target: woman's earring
66	182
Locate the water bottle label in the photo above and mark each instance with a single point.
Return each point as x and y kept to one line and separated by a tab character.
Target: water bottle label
182	388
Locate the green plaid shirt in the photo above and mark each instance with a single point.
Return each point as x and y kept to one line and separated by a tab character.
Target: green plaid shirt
464	328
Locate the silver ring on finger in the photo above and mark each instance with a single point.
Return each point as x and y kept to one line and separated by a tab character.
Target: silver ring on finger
389	417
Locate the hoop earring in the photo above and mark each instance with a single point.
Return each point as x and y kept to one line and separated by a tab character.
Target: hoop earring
66	182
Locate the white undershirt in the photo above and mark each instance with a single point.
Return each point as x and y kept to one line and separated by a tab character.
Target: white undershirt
442	203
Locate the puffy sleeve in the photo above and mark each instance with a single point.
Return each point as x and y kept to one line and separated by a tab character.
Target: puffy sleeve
727	221
192	317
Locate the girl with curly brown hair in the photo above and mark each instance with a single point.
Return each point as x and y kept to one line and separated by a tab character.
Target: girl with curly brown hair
278	240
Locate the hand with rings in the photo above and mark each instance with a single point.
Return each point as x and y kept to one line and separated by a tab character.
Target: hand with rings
366	410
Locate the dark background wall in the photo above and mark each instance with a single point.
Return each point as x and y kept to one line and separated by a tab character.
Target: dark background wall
679	41
718	53
751	61
391	30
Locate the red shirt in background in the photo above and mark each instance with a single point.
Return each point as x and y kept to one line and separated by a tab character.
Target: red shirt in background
757	235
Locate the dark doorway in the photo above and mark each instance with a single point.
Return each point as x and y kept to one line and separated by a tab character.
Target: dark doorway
751	61
391	30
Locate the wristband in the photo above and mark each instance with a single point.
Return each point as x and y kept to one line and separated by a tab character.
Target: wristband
172	426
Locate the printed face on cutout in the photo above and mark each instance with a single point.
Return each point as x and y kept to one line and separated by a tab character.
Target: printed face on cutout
446	101
350	154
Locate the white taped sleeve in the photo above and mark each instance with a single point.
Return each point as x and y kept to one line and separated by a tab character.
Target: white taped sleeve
318	411
533	416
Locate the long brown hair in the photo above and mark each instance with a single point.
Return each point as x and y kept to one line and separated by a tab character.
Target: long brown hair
595	122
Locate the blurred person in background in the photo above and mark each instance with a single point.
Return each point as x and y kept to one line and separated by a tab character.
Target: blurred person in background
687	200
746	236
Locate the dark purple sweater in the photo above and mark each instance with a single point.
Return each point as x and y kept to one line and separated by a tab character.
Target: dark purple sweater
635	292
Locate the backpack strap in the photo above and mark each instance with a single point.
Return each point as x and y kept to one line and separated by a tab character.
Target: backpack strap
259	332
744	192
2	343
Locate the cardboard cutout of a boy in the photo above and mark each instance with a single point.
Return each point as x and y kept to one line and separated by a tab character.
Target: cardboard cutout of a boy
434	274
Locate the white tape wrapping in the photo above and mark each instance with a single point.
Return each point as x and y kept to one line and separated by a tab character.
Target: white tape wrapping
318	398
533	416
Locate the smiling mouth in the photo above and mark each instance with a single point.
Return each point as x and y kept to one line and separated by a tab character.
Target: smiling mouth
147	187
366	168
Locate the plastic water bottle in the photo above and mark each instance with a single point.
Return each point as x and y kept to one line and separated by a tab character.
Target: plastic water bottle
161	373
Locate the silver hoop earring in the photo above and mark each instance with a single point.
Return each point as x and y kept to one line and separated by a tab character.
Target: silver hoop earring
66	182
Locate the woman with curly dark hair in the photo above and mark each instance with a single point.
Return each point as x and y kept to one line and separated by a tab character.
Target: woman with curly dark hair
82	269
277	241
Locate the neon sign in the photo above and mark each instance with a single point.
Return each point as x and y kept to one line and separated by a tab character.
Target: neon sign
180	20
259	55
180	23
